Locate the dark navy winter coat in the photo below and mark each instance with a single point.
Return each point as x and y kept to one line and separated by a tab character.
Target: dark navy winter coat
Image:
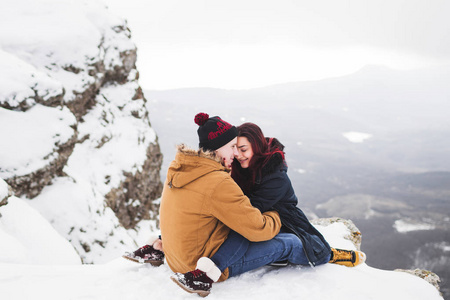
273	191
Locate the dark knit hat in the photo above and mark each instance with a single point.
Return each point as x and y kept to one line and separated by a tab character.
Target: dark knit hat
213	132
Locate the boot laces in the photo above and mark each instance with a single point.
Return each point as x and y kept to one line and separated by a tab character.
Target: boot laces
196	273
142	250
343	255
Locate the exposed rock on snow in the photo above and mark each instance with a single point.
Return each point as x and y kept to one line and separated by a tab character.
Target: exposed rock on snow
354	235
133	200
74	117
26	85
38	149
5	193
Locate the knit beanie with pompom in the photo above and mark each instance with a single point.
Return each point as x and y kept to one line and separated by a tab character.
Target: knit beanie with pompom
213	132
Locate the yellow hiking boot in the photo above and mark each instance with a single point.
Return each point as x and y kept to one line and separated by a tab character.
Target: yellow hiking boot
348	258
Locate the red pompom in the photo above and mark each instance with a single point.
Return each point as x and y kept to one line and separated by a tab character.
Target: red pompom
201	119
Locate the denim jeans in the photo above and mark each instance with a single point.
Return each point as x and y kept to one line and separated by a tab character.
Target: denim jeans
284	246
234	248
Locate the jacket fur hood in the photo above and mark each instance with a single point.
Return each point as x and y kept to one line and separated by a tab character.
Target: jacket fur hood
190	164
183	149
275	164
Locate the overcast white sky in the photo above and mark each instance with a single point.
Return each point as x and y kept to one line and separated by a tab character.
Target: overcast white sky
253	43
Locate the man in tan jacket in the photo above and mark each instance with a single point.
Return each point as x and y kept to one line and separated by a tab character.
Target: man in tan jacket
201	202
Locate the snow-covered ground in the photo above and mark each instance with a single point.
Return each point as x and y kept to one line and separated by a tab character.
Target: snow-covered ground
37	263
122	280
45	268
30	239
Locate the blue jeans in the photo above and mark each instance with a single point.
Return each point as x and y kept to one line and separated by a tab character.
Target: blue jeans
234	248
284	246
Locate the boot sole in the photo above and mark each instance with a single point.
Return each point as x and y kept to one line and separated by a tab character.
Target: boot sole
279	264
155	263
200	293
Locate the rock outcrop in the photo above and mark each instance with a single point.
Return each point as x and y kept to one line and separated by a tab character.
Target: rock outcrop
428	276
354	235
133	201
74	117
5	193
31	185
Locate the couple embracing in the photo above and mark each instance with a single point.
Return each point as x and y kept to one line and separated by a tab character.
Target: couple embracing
229	207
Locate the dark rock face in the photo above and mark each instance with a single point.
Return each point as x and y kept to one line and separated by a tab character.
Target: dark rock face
32	184
133	200
25	104
4	198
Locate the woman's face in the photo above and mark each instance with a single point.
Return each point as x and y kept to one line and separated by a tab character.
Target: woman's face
244	151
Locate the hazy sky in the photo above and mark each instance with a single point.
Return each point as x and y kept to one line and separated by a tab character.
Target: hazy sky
252	43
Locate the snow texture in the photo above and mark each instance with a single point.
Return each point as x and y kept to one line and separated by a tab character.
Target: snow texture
27	238
121	279
50	37
42	127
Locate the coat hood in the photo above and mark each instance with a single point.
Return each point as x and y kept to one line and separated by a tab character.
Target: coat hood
190	164
275	164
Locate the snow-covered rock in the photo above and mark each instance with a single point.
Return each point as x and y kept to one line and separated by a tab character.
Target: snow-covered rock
352	233
428	276
35	145
75	134
5	192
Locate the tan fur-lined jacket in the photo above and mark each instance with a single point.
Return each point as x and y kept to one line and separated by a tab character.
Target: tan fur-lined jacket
200	203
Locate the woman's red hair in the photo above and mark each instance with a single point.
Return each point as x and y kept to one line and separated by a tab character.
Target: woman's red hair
263	149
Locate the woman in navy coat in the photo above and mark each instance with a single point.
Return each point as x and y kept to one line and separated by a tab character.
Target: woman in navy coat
260	170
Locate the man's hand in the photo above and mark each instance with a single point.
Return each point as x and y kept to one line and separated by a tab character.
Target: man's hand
158	245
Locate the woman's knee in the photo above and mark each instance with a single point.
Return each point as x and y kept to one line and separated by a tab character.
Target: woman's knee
289	240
